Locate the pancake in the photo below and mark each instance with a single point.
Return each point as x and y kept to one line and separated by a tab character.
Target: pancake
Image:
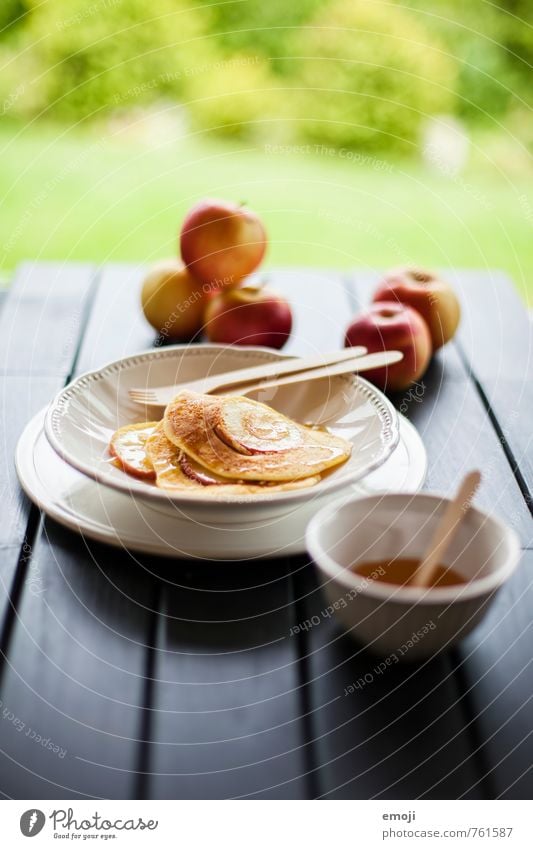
127	446
176	471
235	437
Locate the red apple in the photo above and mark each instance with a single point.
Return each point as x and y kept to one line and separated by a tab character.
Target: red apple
427	293
251	315
222	243
390	326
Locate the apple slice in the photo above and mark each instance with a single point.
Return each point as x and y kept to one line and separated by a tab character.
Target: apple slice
128	447
196	472
252	428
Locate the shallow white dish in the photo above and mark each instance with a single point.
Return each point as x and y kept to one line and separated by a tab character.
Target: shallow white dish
100	513
84	415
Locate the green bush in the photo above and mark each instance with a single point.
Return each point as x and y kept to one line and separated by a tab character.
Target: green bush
259	26
11	16
517	36
493	46
235	97
86	56
366	75
485	82
497	70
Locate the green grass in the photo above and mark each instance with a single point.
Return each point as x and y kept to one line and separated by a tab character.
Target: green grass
73	196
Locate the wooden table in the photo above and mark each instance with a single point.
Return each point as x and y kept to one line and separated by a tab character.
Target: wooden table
127	676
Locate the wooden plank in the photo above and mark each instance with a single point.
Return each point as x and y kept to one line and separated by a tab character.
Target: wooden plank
42	318
497	672
116	327
75	679
459	436
227	717
20	399
495	332
511	403
321	307
496	338
77	658
23	392
394	732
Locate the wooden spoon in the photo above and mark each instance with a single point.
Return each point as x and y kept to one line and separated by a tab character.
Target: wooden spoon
445	531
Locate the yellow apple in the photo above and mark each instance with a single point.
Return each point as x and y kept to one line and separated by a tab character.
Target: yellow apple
173	301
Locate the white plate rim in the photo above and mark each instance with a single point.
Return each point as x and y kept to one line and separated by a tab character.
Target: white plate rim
382	405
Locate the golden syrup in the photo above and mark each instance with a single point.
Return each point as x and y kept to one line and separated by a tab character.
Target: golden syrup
401	570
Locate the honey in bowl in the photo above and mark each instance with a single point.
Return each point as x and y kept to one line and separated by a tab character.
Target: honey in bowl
401	570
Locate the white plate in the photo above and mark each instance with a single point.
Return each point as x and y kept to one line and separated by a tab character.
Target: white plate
82	418
103	514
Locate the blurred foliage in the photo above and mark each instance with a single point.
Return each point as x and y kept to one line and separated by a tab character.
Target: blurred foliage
237	97
351	73
257	26
493	46
83	57
517	31
12	14
369	76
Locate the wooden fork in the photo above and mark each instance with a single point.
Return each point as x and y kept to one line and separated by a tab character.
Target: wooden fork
359	364
160	396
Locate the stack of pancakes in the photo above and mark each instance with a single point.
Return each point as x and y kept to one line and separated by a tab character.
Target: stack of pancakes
228	444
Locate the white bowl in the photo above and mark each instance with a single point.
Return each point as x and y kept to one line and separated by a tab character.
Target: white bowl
407	623
83	416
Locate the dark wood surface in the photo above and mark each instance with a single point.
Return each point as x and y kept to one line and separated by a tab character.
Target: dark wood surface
170	679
